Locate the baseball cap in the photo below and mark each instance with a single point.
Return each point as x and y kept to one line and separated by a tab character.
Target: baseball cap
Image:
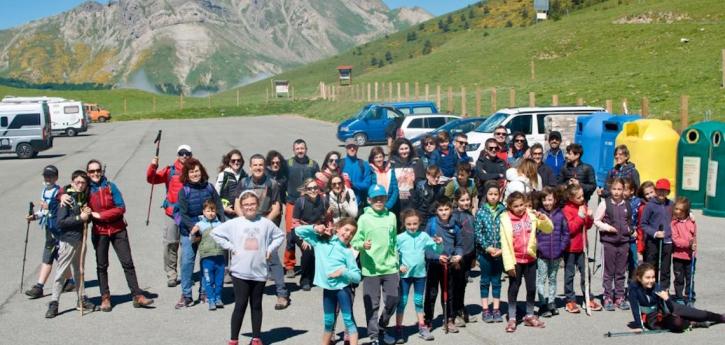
376	191
184	147
350	143
663	183
555	135
50	171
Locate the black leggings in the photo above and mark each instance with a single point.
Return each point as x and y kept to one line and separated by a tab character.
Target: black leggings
681	316
523	272
247	291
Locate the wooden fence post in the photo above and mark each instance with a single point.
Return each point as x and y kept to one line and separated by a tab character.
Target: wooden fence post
645	107
532	99
464	112
684	100
390	91
533	70
416	94
376	91
427	92
369	97
407	92
512	97
478	101
237	97
181	101
608	106
209	97
555	100
450	99
580	101
438	97
723	68
625	106
399	97
494	98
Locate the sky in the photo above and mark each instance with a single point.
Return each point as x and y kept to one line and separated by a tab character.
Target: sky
16	12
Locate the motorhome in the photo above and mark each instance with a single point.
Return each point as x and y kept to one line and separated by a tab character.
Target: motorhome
25	129
67	116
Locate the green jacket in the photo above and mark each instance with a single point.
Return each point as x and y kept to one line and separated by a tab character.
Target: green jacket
380	229
208	247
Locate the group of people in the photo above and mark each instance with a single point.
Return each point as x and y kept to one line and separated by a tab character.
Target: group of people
419	218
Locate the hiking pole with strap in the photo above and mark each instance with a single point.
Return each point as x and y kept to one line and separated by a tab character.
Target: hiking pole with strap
587	273
691	292
628	333
157	141
25	251
659	258
445	297
81	269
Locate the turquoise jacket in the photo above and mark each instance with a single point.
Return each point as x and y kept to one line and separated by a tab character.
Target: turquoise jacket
330	255
411	250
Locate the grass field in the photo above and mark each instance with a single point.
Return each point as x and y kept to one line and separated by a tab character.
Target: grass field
612	50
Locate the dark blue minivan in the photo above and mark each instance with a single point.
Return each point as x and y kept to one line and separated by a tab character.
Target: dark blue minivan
368	126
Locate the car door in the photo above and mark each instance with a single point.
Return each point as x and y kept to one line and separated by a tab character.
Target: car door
415	127
522	123
375	124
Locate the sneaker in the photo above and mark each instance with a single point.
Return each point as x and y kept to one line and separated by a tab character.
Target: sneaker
544	311
594	305
69	286
622	304
553	309
202	298
424	333
233	342
399	339
511	326
172	282
290	274
497	316
459	322
184	302
35	292
219	304
387	338
608	304
487	316
212	306
533	321
452	328
374	342
282	303
572	307
52	310
87	305
256	341
306	287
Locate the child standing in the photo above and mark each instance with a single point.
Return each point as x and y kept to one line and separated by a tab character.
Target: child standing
579	219
630	196
444	226
426	192
613	218
518	243
376	242
411	246
464	219
211	255
488	242
684	239
335	270
657	225
550	250
646	193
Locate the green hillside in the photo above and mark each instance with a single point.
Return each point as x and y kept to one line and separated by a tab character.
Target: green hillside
592	50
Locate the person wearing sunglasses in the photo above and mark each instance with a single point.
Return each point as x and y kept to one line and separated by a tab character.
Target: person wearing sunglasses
427	155
383	175
356	170
109	229
170	177
276	169
490	167
456	155
518	150
554	157
341	199
500	134
311	208
330	166
231	172
548	179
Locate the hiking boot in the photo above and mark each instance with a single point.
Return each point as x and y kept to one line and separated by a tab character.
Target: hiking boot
256	341
533	321
424	333
106	303
452	328
202	297
459	322
608	304
219	304
572	307
621	303
544	310
553	309
140	301
487	316
511	326
290	274
172	282
233	342
306	287
69	286
282	303
87	305
702	324
594	305
35	292
497	316
52	310
399	339
184	302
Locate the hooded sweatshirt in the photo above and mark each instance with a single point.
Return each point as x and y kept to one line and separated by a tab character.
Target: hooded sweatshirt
299	169
683	233
450	231
358	172
578	223
330	255
381	229
658	214
250	242
487	228
411	250
518	237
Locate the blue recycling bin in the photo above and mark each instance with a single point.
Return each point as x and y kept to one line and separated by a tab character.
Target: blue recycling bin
610	130
589	136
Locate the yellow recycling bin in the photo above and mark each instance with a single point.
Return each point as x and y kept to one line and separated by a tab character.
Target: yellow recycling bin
653	148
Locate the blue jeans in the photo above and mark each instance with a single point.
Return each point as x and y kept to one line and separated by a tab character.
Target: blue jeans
491	270
418	294
331	299
188	258
277	271
633	259
212	278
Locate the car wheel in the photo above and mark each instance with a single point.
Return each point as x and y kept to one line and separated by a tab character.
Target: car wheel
102	119
24	151
71	132
360	139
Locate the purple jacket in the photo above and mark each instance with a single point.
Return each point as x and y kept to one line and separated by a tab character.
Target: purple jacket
552	246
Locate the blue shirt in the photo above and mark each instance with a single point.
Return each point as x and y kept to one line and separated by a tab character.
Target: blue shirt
411	250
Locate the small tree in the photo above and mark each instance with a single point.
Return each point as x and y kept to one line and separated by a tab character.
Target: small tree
412	36
441	24
421	26
388	56
381	63
486	10
427	47
463	17
373	61
471	14
449	20
466	26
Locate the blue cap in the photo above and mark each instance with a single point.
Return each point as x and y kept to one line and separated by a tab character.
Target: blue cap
376	191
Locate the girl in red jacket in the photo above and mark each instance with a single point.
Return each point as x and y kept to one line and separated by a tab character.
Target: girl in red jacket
579	219
684	239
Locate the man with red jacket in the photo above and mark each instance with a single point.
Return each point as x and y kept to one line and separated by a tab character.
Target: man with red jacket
169	176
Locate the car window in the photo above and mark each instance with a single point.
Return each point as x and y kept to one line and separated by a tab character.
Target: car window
390	114
520	123
71	109
4	121
405	111
22	120
423	110
541	118
373	114
417	123
435	122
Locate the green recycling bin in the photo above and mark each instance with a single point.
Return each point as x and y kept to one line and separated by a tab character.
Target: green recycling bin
693	153
715	190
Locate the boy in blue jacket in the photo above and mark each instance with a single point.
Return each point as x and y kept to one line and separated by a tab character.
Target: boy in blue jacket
656	220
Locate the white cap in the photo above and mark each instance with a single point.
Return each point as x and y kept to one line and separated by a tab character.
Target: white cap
183	147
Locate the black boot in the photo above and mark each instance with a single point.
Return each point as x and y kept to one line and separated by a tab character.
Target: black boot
88	307
552	308
52	310
544	310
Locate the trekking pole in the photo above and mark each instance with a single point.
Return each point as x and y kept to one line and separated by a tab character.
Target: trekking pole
25	251
82	269
628	333
659	258
445	297
691	292
157	141
587	282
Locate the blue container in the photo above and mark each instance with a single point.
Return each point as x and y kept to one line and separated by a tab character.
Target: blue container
589	136
610	131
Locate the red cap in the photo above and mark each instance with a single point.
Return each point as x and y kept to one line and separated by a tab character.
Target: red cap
663	183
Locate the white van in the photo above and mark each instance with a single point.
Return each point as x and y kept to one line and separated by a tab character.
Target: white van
415	125
25	129
67	116
530	121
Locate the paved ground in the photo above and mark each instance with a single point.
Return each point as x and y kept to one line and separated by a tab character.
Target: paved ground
127	148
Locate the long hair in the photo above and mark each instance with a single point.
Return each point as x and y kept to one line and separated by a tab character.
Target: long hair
529	168
227	159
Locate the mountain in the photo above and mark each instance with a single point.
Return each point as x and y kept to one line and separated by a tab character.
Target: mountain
191	45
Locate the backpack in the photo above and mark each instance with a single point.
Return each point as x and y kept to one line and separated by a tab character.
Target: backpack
187	191
172	172
359	163
49	219
291	162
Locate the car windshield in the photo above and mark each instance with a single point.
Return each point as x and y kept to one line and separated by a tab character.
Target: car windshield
363	111
449	126
491	123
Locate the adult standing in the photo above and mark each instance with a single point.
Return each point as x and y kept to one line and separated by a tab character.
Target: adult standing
548	179
231	172
300	167
427	155
357	171
456	155
195	191
383	175
403	160
109	228
490	167
270	207
499	134
276	169
518	150
342	200
330	166
251	240
169	176
554	157
623	169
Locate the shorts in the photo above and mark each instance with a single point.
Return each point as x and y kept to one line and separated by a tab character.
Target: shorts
50	249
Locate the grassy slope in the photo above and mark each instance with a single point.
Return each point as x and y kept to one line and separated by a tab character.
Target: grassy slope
583	55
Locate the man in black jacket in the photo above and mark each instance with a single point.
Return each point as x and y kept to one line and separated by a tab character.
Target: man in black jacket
489	166
548	179
577	172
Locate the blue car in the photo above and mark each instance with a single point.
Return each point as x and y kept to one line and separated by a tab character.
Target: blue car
464	125
369	125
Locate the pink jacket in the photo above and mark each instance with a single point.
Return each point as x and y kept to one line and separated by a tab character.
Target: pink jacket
683	234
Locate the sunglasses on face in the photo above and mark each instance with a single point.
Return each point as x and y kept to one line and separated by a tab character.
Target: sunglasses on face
429	143
184	154
519	140
499	134
537	153
462	142
336	184
233	161
274	163
311	188
332	160
492	148
94	171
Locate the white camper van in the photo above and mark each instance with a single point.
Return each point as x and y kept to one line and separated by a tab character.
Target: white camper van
66	116
25	129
